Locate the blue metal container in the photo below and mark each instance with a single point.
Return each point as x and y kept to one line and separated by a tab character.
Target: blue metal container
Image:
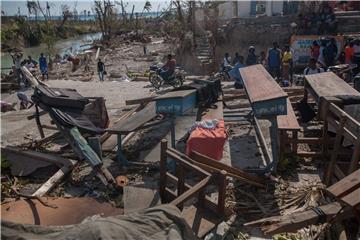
177	102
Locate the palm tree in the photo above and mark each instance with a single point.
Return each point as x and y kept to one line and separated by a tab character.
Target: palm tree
147	7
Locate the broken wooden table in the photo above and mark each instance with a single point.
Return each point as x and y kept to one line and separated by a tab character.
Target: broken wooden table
267	100
326	84
135	122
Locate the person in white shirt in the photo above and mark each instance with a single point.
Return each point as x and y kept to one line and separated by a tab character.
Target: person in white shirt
226	63
312	68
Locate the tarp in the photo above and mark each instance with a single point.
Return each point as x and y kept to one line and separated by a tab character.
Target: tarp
161	222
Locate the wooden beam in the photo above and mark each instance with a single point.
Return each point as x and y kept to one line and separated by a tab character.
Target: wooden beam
339	134
140	100
345	186
55	179
295	221
244	176
191	192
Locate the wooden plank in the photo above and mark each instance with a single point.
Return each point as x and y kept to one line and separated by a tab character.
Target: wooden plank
346	185
259	84
139	100
135	121
191	192
293	222
246	177
288	121
200	220
55	179
329	84
339	135
176	94
353	198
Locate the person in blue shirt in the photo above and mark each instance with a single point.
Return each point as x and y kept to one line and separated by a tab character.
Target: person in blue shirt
274	61
43	67
234	73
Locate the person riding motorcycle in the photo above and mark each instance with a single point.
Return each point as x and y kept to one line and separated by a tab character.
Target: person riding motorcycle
168	69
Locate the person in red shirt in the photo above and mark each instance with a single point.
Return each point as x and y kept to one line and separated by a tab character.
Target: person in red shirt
168	68
349	53
315	50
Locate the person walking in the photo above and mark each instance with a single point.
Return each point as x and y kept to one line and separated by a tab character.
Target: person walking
274	61
17	65
101	70
43	67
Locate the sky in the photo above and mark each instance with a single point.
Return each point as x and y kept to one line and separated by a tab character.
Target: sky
10	8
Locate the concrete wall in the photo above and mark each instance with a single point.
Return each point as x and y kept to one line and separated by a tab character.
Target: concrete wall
244	8
226	10
260	32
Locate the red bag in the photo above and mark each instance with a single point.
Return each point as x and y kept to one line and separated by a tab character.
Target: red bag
209	142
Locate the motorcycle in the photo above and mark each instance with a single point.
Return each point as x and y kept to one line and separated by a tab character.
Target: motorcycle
224	74
176	79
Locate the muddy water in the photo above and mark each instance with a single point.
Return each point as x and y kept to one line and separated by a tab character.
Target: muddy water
70	45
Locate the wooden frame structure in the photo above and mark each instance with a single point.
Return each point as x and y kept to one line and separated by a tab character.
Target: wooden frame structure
184	191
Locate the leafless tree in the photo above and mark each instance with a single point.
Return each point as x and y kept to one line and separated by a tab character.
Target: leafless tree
105	16
66	14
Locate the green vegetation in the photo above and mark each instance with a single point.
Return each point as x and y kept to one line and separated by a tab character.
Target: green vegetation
17	32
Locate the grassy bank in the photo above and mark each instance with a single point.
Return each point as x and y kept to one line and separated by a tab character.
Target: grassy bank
18	32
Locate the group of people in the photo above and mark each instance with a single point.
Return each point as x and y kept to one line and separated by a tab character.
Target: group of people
321	22
30	64
278	62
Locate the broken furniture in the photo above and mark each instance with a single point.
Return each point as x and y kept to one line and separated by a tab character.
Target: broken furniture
268	101
346	128
203	215
176	102
346	193
65	108
326	84
135	122
288	123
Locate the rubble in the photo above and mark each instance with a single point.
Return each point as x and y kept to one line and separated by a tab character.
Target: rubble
116	154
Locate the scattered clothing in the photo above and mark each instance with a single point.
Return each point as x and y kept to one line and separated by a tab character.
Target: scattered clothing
206	124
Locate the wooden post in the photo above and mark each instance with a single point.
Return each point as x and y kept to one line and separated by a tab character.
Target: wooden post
355	157
181	181
163	158
222	182
294	144
339	133
38	123
325	145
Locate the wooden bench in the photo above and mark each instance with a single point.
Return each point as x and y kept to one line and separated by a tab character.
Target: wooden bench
288	123
268	100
